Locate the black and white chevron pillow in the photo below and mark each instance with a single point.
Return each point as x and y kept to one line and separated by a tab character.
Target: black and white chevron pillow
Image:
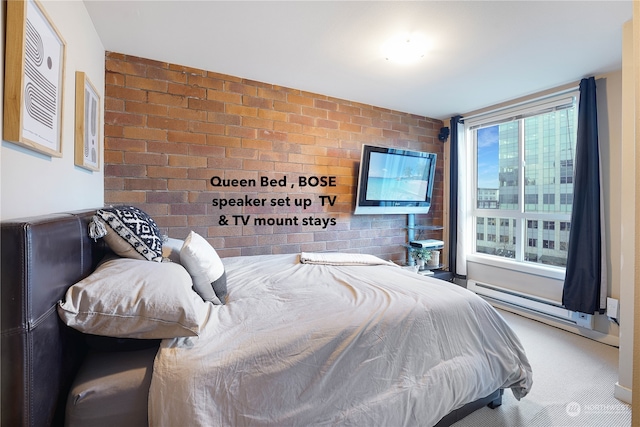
132	233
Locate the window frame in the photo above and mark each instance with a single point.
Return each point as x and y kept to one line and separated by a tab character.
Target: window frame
516	111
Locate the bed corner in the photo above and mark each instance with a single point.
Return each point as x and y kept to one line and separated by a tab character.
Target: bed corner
41	256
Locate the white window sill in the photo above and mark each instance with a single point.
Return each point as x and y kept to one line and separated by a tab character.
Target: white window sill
524	267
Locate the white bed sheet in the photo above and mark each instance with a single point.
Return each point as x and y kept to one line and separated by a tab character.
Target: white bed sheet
301	344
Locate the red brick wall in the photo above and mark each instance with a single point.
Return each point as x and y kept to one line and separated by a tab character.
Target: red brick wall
169	129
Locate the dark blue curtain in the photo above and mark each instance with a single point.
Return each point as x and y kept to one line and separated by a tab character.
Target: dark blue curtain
453	194
581	290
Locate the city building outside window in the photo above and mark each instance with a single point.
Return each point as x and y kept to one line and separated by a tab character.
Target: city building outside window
524	181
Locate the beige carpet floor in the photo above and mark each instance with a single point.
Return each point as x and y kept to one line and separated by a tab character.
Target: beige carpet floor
573	383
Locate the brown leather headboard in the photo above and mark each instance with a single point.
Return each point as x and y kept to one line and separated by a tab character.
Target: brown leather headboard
41	257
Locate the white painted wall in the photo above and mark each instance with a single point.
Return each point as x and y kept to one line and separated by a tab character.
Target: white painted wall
625	219
609	98
34	184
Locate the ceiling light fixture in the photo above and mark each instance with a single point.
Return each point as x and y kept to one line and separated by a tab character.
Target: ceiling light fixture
405	48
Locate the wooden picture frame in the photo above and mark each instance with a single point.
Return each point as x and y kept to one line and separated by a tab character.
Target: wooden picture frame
87	127
34	76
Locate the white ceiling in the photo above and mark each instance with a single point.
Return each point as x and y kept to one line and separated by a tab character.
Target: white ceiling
483	52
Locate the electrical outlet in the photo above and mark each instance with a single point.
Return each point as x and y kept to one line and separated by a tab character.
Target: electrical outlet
613	308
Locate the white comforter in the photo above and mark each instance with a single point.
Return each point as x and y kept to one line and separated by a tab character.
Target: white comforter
301	344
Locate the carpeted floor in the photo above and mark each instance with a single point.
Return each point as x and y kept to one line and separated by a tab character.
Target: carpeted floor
573	383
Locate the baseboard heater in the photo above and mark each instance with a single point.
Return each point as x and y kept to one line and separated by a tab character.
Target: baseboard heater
531	304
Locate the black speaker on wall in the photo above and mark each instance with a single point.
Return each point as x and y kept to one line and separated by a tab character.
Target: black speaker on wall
444	134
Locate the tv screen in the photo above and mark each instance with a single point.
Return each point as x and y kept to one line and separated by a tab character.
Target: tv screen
393	180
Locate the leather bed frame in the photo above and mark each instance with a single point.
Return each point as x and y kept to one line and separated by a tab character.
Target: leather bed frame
41	257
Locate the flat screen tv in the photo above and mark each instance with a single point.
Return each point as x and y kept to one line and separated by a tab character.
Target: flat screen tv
394	181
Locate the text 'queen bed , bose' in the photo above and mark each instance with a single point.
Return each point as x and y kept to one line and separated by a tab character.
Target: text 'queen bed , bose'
297	339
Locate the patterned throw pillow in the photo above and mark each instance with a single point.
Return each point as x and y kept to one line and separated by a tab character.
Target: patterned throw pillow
129	232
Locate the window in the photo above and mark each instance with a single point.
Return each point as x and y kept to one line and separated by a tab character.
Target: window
523	162
566	199
566	171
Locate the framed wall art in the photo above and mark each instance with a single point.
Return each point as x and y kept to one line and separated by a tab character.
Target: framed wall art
34	76
87	128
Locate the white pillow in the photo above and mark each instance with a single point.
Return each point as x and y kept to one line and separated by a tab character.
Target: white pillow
205	267
129	298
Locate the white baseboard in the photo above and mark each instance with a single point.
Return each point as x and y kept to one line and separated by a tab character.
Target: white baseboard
538	309
622	393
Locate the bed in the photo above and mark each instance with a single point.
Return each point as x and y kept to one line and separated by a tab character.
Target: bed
295	343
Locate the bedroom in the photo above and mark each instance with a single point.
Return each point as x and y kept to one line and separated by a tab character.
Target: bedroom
72	188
